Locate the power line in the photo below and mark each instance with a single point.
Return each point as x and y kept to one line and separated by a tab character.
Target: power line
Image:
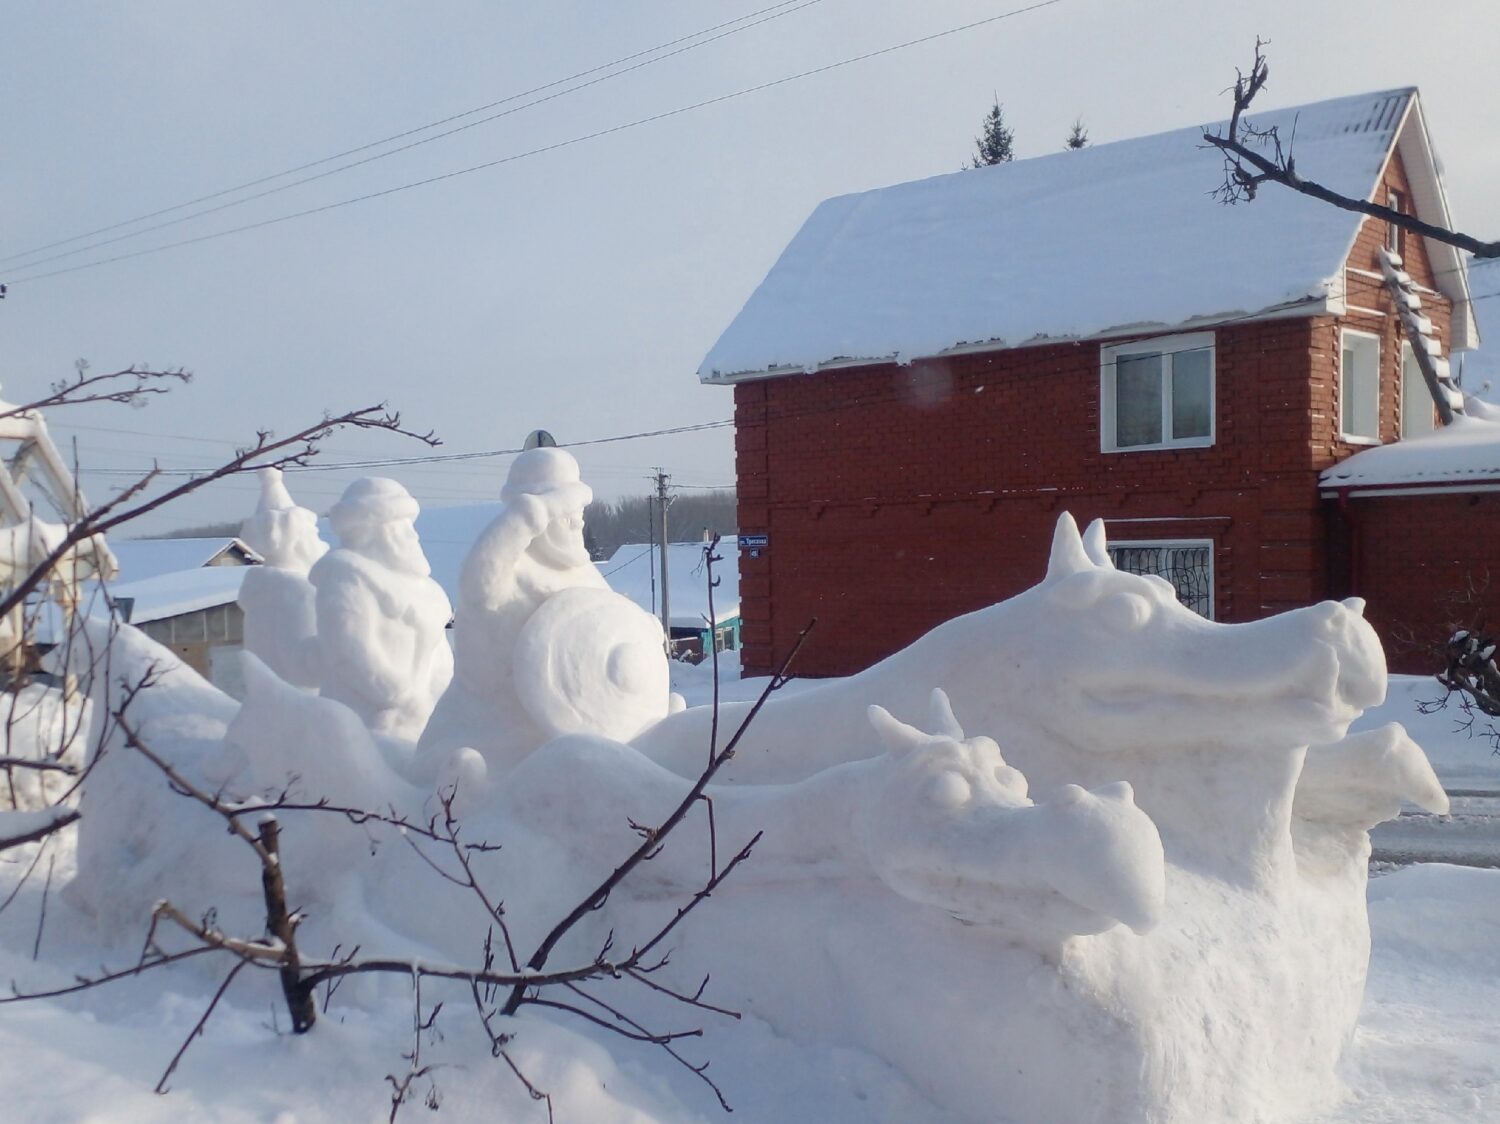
430	458
423	128
647	120
800	4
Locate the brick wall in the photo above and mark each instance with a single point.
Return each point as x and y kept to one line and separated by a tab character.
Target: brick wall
1427	566
896	497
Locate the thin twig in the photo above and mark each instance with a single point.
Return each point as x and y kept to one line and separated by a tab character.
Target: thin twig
161	1086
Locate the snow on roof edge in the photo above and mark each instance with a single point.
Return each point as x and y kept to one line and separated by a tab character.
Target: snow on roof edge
1353	136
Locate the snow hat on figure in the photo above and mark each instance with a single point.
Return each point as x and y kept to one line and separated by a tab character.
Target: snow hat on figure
280	531
540	471
369	502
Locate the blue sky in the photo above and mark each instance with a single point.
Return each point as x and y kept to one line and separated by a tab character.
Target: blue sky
576	289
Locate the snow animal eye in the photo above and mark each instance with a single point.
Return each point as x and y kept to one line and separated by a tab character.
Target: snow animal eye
1124	612
949	791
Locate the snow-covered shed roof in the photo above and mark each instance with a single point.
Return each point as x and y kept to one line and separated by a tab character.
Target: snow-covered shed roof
184	591
148	558
632	571
1464	454
1105	240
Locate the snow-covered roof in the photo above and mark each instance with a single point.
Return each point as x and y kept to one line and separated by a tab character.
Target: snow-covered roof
148	558
184	591
1105	240
632	571
1464	453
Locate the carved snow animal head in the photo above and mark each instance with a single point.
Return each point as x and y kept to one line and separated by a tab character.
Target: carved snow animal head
947	823
1112	660
552	476
280	531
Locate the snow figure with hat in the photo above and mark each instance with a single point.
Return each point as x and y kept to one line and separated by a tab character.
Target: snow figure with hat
542	645
280	614
380	616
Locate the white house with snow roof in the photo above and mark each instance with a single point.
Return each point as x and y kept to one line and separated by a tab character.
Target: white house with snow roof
931	372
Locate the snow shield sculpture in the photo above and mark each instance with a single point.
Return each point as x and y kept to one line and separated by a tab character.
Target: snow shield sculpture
1079	856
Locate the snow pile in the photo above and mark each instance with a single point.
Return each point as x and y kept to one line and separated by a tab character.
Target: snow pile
1110	238
1070	855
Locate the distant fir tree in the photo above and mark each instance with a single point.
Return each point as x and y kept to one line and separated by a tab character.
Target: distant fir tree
1079	137
996	145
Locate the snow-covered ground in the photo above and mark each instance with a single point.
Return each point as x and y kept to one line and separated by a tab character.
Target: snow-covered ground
1427	1048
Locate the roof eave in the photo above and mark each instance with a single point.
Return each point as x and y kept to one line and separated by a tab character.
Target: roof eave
1326	305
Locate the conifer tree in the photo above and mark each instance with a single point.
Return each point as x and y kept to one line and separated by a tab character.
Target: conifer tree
1079	137
996	144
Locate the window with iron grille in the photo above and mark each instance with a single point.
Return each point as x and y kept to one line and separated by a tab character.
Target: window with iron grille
1189	566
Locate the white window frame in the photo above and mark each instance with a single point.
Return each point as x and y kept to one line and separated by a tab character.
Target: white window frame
1358	438
1190	544
1166	346
1414	393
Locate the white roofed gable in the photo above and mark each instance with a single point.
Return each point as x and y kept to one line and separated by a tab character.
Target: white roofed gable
1107	240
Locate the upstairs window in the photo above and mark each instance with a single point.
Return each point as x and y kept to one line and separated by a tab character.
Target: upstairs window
1158	394
1359	388
1395	236
1418	414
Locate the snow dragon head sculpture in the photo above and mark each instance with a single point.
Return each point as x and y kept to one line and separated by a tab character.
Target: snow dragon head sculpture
945	822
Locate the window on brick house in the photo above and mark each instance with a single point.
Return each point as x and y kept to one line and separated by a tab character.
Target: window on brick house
1157	394
1188	565
1395	236
1359	388
1418	414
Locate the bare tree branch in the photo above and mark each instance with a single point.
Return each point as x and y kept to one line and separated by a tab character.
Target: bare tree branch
129	386
266	452
1254	156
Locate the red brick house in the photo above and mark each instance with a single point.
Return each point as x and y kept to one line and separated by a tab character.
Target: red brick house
932	371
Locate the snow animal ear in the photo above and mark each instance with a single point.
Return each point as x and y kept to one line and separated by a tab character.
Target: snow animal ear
897	737
943	720
1068	554
1096	545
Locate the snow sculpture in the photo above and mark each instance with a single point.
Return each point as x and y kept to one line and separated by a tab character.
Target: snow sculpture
542	645
1149	908
279	602
938	818
381	619
1238	1005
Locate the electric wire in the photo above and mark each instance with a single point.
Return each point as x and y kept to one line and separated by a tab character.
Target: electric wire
541	149
793	4
800	4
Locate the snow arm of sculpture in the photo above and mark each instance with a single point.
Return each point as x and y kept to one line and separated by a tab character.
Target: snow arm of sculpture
490	585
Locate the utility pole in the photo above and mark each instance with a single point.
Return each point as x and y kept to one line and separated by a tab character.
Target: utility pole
662	500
